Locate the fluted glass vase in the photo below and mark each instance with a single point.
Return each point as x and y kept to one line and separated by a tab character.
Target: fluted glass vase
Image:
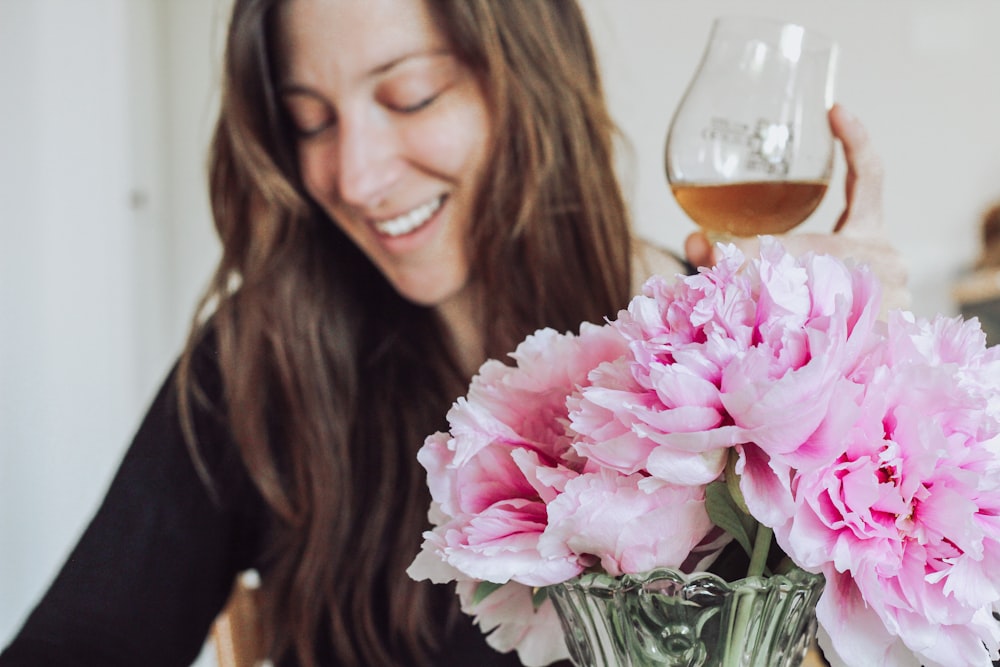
665	617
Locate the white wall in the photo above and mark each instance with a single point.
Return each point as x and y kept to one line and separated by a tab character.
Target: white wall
105	109
66	353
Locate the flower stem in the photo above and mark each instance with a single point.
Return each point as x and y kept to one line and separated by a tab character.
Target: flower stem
761	547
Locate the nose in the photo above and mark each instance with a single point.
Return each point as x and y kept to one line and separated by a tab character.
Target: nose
368	160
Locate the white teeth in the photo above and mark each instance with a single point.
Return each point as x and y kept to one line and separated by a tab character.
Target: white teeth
406	223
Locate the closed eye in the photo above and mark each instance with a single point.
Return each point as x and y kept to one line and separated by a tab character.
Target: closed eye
309	114
422	104
311	131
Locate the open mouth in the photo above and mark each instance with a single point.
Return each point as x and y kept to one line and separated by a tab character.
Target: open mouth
410	221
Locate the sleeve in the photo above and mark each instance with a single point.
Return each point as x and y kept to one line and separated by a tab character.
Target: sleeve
157	562
649	258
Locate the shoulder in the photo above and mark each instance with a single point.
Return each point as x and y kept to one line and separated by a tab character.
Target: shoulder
649	258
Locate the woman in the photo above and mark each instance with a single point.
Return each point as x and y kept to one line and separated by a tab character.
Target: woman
403	188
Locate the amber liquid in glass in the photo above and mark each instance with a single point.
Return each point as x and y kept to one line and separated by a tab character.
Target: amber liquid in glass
750	208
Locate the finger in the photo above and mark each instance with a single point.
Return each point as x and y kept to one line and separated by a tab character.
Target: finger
698	250
701	251
863	184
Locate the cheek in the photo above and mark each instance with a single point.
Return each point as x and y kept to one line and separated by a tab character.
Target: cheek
477	138
456	139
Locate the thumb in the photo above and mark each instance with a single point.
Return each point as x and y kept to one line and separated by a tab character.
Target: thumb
698	249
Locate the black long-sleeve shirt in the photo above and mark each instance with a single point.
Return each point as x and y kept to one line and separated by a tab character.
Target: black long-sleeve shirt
156	564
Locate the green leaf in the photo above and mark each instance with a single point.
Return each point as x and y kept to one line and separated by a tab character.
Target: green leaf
726	514
538	596
733	482
483	591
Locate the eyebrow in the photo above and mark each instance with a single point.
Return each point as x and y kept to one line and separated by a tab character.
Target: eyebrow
285	89
395	62
292	88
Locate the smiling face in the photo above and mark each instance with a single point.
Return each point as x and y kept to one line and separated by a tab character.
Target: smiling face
392	135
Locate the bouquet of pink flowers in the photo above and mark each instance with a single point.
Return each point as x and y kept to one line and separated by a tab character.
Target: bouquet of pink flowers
869	451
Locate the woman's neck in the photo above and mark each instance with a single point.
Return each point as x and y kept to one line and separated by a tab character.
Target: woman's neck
462	316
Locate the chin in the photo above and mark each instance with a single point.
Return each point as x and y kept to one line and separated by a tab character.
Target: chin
432	283
428	296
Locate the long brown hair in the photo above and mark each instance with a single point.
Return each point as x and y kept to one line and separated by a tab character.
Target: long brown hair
331	379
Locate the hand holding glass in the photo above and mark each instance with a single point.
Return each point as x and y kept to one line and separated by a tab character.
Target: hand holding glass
749	149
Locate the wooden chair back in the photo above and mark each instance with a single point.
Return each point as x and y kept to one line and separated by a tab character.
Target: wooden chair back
236	631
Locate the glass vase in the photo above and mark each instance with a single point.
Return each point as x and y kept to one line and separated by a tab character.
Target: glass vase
665	617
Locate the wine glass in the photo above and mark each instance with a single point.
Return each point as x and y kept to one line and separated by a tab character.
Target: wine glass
749	150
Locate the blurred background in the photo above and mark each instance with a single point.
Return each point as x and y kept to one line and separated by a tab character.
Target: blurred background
106	107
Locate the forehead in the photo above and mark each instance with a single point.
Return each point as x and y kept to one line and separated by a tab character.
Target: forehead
319	39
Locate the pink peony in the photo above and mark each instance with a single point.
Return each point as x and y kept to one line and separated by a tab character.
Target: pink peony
752	357
508	615
630	523
508	454
511	621
905	523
